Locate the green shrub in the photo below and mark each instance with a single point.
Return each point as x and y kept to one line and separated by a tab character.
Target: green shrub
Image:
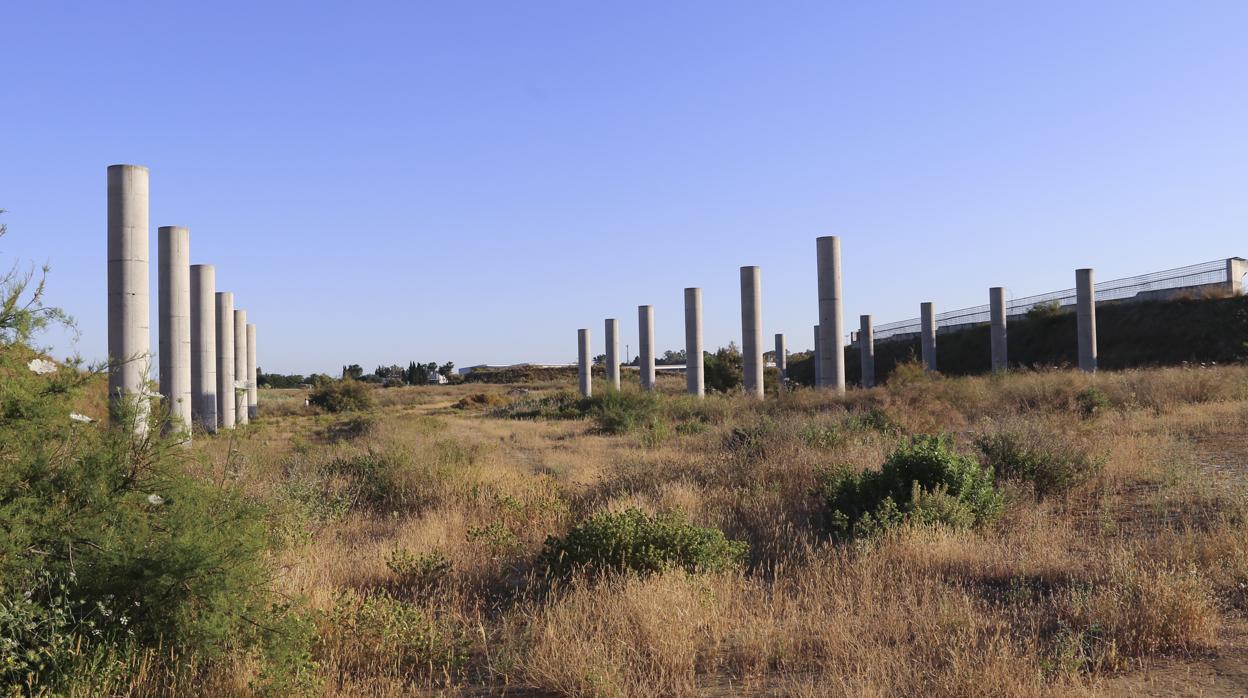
372	477
1091	402
820	436
633	540
1052	466
345	395
108	547
350	428
623	412
923	481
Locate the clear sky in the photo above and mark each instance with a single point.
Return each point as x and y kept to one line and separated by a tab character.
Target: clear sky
473	181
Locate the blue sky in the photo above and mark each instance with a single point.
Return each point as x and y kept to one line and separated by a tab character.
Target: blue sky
385	182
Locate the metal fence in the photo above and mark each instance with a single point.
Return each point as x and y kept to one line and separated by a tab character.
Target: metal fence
1195	275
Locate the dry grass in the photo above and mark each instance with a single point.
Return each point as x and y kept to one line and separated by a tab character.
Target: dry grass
430	581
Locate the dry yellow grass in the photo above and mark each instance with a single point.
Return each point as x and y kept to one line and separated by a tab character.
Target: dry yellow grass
1144	559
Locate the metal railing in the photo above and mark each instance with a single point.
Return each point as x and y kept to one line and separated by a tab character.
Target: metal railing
1189	277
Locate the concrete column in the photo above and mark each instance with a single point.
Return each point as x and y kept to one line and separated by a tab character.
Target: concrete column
613	353
928	335
695	376
584	361
174	301
752	329
1085	311
782	358
129	330
253	389
831	320
225	359
204	346
240	367
1236	267
866	349
645	325
818	360
996	310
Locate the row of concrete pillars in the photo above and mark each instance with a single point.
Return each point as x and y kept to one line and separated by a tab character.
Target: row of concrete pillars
829	358
1085	316
206	347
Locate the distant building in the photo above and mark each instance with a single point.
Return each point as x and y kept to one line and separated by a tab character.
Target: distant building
436	378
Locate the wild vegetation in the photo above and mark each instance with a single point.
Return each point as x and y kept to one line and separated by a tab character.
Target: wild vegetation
1038	533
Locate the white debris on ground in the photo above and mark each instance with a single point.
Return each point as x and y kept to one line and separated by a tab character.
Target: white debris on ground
41	366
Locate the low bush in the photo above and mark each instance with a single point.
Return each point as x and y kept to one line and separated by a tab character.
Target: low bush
478	401
923	481
621	412
1052	466
636	541
350	428
379	630
345	395
560	405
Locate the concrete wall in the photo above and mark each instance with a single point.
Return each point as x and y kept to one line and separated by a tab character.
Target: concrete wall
1085	313
612	327
695	375
584	364
204	346
225	360
752	330
1236	268
831	320
645	331
927	319
174	310
129	330
240	367
996	311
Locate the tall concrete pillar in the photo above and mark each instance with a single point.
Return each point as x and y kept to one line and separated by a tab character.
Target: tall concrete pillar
996	310
752	329
695	377
1085	311
584	374
928	335
782	358
866	350
831	319
174	302
613	353
225	359
1236	268
240	367
129	331
253	389
818	360
204	346
645	325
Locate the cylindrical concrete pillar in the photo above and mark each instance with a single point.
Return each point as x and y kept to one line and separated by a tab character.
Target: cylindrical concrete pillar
129	331
645	330
818	360
613	353
695	377
1085	311
253	389
240	367
204	346
866	350
752	330
831	320
927	313
584	374
225	359
782	358
174	310
996	311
